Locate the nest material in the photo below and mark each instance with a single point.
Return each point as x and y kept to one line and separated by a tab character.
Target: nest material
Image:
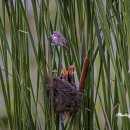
66	96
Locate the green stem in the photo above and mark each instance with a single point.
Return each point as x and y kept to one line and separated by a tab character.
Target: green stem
51	85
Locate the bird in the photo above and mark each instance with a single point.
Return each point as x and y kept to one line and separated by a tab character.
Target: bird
58	39
67	75
64	74
70	73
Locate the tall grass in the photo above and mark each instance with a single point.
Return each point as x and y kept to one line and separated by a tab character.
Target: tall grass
99	29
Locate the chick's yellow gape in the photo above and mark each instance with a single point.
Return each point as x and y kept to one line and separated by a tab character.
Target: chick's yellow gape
64	74
67	75
70	73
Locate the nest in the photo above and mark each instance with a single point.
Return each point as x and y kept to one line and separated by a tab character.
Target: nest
66	96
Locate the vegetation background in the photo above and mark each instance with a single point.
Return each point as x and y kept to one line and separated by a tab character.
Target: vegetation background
99	29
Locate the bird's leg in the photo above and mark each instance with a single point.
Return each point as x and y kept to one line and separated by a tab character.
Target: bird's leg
50	49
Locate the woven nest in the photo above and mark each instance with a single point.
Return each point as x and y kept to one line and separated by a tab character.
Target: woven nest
66	96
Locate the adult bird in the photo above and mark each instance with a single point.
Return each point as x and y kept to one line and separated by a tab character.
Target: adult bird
58	39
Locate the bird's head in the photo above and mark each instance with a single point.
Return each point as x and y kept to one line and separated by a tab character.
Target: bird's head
71	70
64	73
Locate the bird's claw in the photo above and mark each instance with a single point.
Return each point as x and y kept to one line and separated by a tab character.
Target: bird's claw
50	50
